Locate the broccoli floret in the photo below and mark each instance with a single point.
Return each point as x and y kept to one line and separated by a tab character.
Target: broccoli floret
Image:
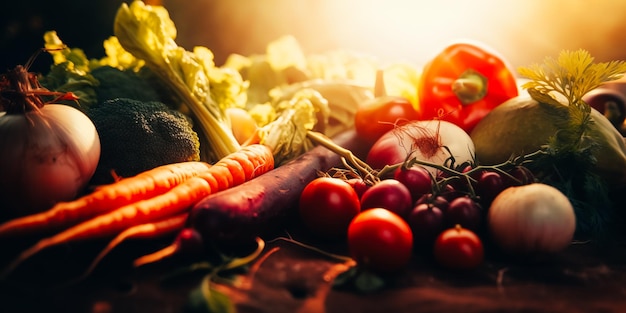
136	136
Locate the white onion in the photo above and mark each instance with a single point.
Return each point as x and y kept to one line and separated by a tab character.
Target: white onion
433	141
49	152
532	219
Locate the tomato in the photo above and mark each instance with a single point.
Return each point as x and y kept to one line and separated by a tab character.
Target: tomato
464	211
416	178
380	240
458	248
389	194
520	175
488	186
426	222
380	115
359	185
327	205
463	83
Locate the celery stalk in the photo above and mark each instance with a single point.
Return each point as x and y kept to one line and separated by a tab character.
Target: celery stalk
149	34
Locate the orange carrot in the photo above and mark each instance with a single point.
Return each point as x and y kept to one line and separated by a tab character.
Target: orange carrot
175	201
151	230
159	255
104	199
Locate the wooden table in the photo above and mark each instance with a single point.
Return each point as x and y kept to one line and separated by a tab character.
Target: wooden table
290	278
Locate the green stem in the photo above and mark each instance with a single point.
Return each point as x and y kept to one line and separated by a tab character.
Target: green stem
361	166
470	87
365	171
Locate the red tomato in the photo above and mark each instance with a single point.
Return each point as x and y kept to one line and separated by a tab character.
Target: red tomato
359	185
389	194
459	248
380	240
382	114
416	178
327	205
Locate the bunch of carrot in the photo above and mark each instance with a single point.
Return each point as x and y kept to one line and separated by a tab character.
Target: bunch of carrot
149	204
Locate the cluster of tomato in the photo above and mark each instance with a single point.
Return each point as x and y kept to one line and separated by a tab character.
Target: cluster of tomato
386	222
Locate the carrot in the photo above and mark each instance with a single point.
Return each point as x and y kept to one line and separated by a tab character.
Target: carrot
175	201
104	199
151	230
168	251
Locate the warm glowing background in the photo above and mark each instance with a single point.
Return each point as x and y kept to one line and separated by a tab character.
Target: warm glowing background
524	31
409	30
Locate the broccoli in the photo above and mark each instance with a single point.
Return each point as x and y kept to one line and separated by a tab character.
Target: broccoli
136	136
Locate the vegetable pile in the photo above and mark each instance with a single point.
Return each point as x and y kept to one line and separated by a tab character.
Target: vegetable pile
442	161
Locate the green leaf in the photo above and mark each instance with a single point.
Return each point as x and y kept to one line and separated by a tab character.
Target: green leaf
232	263
547	99
148	33
360	279
572	75
206	299
559	86
367	282
346	277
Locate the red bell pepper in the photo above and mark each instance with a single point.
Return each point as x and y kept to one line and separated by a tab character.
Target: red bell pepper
463	83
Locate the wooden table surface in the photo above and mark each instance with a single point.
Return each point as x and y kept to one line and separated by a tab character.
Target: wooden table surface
290	278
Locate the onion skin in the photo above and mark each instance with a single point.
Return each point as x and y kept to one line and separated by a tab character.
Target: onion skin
425	140
532	219
48	155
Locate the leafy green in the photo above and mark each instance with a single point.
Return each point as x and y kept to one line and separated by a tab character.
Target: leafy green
361	280
117	75
144	42
149	34
285	64
572	75
207	299
568	79
572	154
70	71
287	134
207	90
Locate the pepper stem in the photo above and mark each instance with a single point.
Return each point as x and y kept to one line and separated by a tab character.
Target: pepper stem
470	87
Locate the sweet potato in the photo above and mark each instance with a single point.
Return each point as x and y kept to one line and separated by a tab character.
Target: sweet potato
254	207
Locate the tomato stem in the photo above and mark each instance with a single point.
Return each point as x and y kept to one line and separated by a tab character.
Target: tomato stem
470	87
361	166
468	175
